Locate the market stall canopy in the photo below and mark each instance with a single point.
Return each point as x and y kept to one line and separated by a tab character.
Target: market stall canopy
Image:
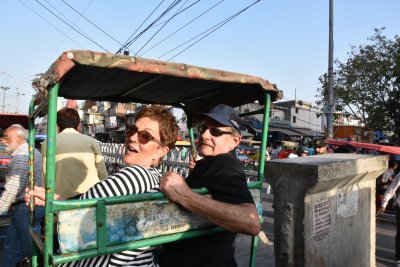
284	131
100	76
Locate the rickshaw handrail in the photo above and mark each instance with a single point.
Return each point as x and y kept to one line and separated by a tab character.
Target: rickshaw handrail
62	205
58	259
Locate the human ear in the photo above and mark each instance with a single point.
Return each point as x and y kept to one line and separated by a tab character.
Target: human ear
162	151
237	139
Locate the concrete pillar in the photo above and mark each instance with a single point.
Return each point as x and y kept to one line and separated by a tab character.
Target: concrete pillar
324	209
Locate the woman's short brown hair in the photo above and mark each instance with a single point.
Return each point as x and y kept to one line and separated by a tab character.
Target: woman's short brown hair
168	125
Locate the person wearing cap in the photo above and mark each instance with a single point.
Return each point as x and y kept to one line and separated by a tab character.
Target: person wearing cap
320	147
302	151
231	206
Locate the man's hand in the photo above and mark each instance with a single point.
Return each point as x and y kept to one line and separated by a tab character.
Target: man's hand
380	211
40	196
174	187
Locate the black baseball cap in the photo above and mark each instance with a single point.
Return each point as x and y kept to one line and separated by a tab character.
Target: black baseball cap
226	116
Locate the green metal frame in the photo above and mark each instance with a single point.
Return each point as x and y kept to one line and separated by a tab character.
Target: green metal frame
52	206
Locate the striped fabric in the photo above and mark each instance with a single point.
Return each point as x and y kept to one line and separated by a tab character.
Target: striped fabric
130	180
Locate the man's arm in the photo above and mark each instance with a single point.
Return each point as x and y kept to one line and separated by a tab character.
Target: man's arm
240	218
14	183
390	192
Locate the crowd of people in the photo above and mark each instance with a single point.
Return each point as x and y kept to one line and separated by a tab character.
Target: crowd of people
278	150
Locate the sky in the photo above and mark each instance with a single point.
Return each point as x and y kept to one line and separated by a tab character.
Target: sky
285	42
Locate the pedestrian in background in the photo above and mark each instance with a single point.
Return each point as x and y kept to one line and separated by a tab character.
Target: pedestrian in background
390	193
18	242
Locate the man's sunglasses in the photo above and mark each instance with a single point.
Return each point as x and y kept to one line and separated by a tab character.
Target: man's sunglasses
143	136
213	131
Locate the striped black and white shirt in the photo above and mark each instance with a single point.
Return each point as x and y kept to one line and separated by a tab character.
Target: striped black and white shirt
130	180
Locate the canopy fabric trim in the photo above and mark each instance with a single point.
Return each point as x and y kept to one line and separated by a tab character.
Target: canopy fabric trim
98	76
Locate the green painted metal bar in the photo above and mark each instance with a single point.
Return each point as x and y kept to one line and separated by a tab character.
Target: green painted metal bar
101	225
37	241
34	257
192	140
58	259
62	205
31	155
264	139
50	175
31	178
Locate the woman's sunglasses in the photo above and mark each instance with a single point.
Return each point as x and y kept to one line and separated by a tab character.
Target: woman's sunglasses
143	136
213	131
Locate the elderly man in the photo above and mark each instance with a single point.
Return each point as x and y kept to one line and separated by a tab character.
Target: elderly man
18	244
231	206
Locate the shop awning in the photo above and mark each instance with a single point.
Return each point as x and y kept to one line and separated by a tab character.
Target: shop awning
284	131
307	132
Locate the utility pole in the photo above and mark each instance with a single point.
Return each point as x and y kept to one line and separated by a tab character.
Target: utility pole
4	88
16	105
329	108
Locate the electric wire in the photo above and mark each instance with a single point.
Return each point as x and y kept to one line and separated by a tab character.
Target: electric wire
69	31
161	22
86	37
165	23
210	30
93	24
151	25
187	24
48	22
127	41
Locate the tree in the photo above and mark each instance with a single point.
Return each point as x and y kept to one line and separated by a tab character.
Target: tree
367	84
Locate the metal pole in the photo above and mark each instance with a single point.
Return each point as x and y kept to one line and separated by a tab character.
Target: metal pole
4	88
329	112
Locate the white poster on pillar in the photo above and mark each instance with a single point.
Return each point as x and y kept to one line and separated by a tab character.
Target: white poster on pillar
321	219
347	203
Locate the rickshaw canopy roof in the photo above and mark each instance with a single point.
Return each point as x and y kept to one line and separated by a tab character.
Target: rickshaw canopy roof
100	76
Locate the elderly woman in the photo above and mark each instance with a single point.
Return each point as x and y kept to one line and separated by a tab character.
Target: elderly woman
147	142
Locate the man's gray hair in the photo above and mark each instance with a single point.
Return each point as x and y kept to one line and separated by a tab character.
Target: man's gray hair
20	131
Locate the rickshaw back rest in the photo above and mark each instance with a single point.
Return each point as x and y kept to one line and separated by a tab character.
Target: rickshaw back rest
126	222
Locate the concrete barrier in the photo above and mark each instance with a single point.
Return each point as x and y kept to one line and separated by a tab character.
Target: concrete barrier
324	209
